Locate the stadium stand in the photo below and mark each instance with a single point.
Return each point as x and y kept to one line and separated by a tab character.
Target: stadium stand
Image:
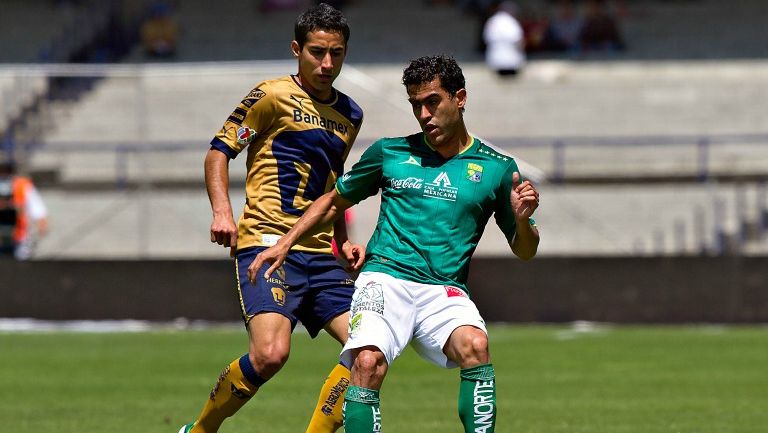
594	127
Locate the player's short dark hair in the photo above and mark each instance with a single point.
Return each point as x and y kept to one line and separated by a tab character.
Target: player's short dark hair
425	69
320	17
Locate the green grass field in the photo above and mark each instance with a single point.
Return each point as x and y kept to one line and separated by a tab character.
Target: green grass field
550	379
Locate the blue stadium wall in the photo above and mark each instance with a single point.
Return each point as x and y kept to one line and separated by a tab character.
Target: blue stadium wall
620	290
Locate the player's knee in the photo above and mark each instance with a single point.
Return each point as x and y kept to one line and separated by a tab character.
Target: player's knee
267	360
479	343
370	363
473	349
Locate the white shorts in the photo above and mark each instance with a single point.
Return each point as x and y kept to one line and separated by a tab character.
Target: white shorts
388	313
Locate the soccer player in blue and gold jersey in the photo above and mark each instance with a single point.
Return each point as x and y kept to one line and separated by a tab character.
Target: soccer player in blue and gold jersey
439	188
297	131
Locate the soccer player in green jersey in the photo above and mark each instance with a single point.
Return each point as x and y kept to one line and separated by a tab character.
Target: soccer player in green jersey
439	189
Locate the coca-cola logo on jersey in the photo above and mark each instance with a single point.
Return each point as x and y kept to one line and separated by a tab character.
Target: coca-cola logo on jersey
409	182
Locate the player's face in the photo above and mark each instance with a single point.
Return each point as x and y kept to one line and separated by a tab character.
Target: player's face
438	113
320	61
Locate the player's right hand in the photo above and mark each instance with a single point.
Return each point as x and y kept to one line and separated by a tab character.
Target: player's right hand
354	254
275	255
224	232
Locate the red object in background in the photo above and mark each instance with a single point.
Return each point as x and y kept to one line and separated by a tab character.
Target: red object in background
348	217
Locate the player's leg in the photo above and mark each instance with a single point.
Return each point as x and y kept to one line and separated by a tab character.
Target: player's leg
381	323
451	333
328	308
362	411
268	308
327	416
270	335
468	347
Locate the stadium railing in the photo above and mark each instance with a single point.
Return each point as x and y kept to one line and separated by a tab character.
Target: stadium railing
556	160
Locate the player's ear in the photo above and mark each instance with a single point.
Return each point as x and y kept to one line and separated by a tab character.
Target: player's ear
295	48
461	97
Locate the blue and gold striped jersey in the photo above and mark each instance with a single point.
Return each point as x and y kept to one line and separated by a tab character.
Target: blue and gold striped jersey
296	148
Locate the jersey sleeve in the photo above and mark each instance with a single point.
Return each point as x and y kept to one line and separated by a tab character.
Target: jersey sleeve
253	116
353	137
364	178
504	215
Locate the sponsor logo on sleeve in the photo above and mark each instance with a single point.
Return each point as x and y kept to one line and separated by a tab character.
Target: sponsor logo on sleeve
255	94
238	116
245	135
253	97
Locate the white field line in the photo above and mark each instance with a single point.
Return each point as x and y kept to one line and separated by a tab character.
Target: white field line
28	325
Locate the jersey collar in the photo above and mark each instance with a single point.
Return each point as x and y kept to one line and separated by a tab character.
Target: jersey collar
330	101
463	151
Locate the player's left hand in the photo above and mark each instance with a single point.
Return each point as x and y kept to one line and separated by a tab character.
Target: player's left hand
275	255
354	254
524	198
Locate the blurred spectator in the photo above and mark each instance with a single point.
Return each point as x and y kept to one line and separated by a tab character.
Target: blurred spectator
504	40
565	28
160	33
600	31
23	216
535	27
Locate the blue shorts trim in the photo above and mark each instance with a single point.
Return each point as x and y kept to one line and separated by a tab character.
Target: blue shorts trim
310	287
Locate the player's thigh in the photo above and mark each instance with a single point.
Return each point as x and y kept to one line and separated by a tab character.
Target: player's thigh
282	293
381	316
329	295
269	335
441	312
338	327
467	347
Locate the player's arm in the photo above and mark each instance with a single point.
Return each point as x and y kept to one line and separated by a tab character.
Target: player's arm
223	228
325	209
359	183
353	253
253	115
524	199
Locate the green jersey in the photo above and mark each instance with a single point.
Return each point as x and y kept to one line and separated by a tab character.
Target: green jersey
433	210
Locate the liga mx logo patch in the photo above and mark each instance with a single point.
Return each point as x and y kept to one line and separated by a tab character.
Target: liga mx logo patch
474	172
245	135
